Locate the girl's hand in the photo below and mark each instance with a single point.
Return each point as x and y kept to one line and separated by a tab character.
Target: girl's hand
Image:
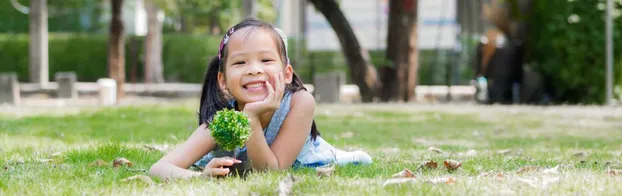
272	101
214	167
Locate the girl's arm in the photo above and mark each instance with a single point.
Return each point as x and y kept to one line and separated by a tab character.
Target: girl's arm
288	143
175	163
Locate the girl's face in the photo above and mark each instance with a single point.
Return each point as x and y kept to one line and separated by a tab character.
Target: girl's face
252	58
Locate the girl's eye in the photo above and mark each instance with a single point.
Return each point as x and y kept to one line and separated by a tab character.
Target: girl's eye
238	63
266	60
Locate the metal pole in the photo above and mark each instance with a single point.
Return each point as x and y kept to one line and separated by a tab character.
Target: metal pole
609	49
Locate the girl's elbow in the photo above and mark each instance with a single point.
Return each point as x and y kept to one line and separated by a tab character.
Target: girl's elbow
154	170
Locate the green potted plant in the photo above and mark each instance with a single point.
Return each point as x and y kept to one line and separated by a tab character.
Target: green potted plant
230	130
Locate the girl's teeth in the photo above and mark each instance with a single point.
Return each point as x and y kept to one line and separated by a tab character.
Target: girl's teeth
254	85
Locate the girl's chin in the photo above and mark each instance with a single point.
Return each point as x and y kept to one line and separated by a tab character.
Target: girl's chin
254	98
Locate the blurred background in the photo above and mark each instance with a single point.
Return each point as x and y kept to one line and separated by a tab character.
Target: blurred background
483	51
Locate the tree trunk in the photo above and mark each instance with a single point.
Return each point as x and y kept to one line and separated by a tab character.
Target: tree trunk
38	60
153	45
116	51
249	8
400	78
362	72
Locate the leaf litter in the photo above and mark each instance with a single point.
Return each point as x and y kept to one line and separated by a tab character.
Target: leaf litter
325	171
436	150
285	186
428	165
118	162
141	178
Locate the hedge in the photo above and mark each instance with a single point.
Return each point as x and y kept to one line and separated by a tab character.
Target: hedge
567	46
184	57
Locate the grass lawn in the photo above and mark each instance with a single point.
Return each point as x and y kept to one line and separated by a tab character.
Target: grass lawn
52	155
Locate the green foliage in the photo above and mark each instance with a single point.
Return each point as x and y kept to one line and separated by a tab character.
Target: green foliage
63	16
230	128
185	57
567	45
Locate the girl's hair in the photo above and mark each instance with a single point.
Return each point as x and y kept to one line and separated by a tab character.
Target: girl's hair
214	99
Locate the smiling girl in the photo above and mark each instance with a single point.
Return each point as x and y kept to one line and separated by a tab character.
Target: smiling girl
252	74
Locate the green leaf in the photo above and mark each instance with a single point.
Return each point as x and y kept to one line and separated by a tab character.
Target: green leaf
230	129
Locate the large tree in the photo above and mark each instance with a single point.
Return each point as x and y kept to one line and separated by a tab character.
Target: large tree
116	51
153	45
393	82
362	71
399	79
38	47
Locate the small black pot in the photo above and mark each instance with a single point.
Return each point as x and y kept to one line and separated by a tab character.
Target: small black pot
237	169
240	169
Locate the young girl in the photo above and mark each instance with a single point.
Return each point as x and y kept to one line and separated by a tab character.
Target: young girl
252	74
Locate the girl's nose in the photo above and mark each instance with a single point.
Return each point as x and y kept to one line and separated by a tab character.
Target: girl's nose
254	69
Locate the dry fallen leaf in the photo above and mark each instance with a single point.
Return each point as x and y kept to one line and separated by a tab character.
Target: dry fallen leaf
504	151
529	169
581	154
19	161
393	181
120	162
553	170
137	170
348	134
285	186
98	163
406	173
154	148
44	160
428	165
448	180
56	154
143	178
325	171
614	172
435	149
452	164
471	152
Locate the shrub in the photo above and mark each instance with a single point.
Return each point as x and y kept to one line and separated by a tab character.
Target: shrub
230	129
567	45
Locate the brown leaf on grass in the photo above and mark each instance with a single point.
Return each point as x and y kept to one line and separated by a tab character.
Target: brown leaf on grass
529	169
154	148
428	165
498	176
285	186
452	164
393	181
553	170
504	151
448	180
348	134
98	163
580	154
56	154
406	173
44	160
19	161
142	178
121	162
325	171
137	170
435	149
614	172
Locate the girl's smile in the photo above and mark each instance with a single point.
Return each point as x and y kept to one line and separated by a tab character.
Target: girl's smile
253	61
